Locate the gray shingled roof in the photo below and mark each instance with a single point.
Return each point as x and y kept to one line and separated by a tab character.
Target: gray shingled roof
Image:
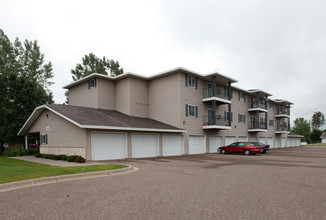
323	135
107	118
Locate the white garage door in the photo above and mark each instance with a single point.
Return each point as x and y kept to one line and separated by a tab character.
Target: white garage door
229	140
214	143
172	145
196	145
283	142
243	139
262	140
108	146
270	142
144	145
277	142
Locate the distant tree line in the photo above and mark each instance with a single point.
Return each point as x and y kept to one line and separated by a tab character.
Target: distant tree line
311	131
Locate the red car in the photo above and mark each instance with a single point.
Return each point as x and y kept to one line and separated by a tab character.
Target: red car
241	147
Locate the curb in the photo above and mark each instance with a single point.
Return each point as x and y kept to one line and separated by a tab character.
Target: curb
56	179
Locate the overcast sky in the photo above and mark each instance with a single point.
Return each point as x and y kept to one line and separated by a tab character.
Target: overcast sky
278	46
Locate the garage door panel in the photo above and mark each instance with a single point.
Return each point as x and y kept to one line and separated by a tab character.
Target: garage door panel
214	143
229	140
144	145
196	144
172	145
108	146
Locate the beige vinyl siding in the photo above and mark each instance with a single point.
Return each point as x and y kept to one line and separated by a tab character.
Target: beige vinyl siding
164	99
80	95
192	96
139	97
106	94
123	96
63	136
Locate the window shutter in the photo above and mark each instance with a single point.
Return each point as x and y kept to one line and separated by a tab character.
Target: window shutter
196	111
94	82
186	109
89	84
186	80
239	94
244	118
239	118
196	83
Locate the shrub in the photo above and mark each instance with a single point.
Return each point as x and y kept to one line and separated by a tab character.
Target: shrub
64	157
20	152
80	159
72	158
59	157
38	155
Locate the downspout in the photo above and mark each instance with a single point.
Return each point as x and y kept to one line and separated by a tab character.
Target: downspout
214	101
229	96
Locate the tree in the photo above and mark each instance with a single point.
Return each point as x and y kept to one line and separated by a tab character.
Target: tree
318	120
302	127
24	85
92	64
315	136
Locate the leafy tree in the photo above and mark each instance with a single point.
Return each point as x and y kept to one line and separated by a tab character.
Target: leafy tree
92	64
24	82
318	120
315	136
302	127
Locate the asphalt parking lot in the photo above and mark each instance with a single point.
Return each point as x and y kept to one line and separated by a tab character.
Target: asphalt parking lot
288	183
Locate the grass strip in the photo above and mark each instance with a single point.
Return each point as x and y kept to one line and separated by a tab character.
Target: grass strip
12	170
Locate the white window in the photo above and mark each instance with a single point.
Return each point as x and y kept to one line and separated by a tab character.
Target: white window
191	81
44	139
242	96
242	118
92	83
271	122
191	110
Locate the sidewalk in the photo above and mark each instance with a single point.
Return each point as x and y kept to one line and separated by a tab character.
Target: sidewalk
59	163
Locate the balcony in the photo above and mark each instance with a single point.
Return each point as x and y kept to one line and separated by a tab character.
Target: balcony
283	113
260	106
219	123
220	97
282	129
257	126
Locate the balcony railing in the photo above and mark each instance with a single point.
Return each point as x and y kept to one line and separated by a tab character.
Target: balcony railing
282	128
283	111
208	93
258	125
258	104
219	121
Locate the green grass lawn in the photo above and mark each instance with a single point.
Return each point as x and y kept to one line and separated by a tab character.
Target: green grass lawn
12	170
315	145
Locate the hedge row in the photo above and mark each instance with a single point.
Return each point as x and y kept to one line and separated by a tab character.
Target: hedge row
20	152
72	158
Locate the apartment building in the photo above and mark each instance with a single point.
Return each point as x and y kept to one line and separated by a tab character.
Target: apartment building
171	113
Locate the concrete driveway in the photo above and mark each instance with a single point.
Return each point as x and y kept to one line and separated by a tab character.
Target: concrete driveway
285	183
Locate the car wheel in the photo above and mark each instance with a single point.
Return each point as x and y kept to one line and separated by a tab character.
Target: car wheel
223	151
264	152
247	152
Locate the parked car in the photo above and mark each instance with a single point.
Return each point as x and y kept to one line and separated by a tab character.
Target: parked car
265	147
242	147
